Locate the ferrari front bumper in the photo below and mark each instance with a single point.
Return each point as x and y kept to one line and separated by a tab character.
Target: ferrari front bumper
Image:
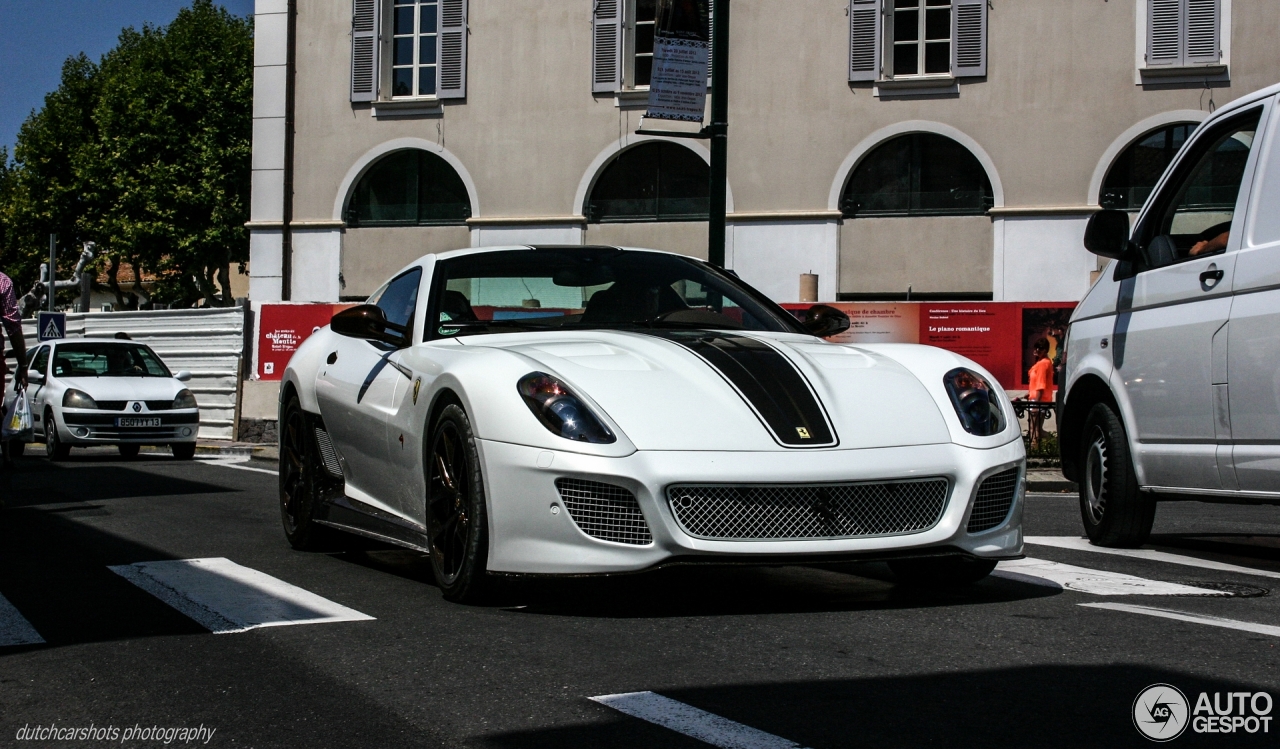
533	533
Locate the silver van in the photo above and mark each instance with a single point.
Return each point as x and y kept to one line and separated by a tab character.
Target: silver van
1170	387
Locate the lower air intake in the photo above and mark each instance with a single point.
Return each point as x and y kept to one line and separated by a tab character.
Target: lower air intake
781	512
995	499
605	511
327	454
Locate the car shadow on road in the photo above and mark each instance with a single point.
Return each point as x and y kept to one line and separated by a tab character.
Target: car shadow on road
1045	706
31	481
1254	547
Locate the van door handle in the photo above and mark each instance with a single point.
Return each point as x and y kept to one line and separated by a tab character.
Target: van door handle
1210	277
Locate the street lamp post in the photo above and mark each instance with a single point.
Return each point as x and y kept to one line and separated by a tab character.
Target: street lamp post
719	131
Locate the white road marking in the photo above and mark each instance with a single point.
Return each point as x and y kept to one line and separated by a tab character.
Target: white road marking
691	721
1082	544
225	597
14	627
238	464
1182	616
1096	582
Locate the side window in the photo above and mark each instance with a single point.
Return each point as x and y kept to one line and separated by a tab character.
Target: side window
1192	216
399	298
40	362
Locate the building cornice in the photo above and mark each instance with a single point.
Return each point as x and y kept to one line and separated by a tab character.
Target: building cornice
1042	210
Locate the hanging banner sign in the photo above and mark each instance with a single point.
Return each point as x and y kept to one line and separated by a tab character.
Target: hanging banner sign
681	47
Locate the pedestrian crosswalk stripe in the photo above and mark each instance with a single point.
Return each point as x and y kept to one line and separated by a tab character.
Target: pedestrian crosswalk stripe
225	597
1096	582
1080	544
1184	616
690	721
14	628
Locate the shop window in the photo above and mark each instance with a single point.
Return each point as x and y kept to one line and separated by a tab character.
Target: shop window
655	181
920	174
409	188
1135	172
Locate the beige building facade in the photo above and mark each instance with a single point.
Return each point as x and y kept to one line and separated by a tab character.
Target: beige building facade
953	149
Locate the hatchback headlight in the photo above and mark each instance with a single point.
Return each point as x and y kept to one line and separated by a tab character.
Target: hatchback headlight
77	399
975	401
184	399
561	411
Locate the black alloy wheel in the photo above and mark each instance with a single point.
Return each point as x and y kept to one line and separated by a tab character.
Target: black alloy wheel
941	572
298	495
53	447
457	528
1114	511
129	451
183	450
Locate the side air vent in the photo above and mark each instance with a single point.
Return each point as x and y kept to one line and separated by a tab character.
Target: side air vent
327	454
605	511
995	499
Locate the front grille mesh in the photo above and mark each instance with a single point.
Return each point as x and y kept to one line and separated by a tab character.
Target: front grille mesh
995	499
802	511
605	511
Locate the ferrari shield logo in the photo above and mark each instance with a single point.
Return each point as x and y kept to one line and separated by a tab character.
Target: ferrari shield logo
417	385
804	433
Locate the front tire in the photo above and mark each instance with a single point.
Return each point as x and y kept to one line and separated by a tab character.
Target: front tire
183	450
941	572
457	525
299	497
1114	512
53	447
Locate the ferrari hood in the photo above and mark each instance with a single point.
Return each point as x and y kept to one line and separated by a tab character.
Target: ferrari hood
721	390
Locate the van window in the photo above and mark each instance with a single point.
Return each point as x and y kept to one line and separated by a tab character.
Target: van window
1193	215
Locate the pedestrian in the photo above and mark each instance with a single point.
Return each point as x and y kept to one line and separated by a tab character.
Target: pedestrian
1040	389
11	320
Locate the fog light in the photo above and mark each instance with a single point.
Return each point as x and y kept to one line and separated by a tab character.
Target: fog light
186	431
82	432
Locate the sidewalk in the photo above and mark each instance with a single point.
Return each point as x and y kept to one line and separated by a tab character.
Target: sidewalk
219	449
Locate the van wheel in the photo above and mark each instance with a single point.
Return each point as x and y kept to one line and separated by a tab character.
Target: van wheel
1114	512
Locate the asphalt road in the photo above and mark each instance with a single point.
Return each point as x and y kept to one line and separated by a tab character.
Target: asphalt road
830	657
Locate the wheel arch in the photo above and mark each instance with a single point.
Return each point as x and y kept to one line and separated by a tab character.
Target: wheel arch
1087	392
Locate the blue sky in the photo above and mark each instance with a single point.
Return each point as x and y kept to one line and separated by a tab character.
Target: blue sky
39	35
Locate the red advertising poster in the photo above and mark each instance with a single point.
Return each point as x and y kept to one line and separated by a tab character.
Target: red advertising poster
983	331
282	328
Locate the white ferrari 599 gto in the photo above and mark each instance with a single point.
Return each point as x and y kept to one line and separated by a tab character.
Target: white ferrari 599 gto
595	410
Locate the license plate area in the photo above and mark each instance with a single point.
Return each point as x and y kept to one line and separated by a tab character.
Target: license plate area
125	422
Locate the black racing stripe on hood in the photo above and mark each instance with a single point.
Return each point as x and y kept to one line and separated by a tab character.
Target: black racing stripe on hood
766	380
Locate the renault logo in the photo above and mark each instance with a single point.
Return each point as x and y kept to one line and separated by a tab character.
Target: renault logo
804	433
137	407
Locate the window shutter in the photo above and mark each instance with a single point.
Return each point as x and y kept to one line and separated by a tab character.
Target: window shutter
606	46
1164	32
864	40
969	38
364	50
711	42
1202	32
453	50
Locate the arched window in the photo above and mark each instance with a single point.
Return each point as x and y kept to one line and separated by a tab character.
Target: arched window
409	188
918	174
1136	170
655	181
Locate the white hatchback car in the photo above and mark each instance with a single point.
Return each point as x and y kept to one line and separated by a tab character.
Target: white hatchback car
87	391
1170	390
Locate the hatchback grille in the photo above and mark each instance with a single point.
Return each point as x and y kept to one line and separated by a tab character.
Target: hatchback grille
112	405
995	499
159	405
780	512
605	511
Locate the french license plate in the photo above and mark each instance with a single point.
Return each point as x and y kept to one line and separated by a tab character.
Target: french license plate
126	422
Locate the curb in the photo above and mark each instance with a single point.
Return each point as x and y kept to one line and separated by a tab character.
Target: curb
1049	481
229	450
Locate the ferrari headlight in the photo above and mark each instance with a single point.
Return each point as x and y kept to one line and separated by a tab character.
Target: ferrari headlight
561	411
184	399
976	402
77	399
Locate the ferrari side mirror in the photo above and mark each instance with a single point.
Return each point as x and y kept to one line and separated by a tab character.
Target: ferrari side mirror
368	322
823	320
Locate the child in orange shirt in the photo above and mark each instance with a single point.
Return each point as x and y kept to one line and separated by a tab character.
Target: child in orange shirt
1040	380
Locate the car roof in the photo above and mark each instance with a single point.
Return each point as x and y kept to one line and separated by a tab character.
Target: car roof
1250	98
91	339
432	257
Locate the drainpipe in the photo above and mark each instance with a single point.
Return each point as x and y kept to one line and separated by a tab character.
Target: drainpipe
286	212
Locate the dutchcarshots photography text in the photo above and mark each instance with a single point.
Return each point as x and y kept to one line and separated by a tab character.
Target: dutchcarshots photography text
134	734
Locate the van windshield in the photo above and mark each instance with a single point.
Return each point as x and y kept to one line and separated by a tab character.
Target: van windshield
92	359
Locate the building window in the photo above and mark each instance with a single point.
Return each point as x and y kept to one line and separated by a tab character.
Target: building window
409	188
414	47
640	42
655	181
1135	171
921	37
920	174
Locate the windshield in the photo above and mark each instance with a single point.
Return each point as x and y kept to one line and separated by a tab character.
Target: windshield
593	288
107	360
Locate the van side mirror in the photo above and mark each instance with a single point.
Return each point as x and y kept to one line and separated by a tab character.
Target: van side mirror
368	322
183	376
823	320
1107	234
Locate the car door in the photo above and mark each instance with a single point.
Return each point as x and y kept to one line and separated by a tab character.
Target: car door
1253	352
1172	314
37	384
356	393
